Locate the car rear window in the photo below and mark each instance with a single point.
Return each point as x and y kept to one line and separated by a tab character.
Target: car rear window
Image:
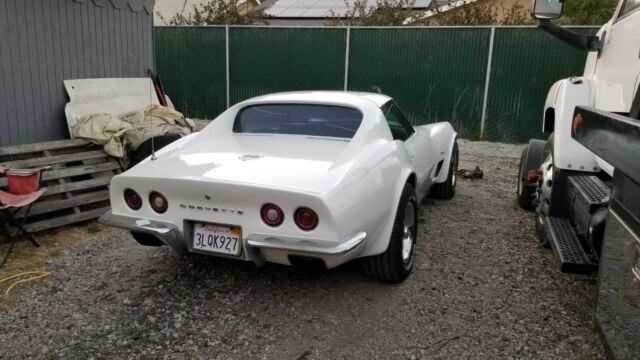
298	119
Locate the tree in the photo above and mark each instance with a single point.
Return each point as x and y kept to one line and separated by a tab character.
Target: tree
484	14
216	12
588	12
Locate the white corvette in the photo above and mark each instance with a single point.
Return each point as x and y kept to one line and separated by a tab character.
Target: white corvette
293	177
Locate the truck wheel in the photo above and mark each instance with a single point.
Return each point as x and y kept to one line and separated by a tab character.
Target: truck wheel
531	159
396	263
447	189
540	231
545	184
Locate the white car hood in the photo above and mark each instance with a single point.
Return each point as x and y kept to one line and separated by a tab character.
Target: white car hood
281	161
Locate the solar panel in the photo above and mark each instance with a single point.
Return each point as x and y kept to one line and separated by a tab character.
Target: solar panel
308	2
315	12
320	8
421	3
293	12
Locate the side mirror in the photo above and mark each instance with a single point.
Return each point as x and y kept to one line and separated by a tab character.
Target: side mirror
547	9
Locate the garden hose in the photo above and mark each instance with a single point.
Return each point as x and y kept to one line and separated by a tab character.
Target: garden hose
39	274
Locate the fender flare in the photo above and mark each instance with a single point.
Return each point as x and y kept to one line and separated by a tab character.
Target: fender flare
384	232
442	176
564	96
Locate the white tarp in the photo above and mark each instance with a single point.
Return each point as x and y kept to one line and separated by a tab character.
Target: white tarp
126	131
107	95
109	112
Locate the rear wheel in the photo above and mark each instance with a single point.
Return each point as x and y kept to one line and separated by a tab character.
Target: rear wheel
447	189
531	159
396	263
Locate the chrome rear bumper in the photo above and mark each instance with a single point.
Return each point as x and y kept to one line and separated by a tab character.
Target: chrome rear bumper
262	248
166	232
306	246
258	246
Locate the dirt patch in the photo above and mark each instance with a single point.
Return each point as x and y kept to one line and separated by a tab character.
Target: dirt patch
482	288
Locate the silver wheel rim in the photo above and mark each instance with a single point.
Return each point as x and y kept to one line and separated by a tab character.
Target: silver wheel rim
454	174
408	236
453	178
544	190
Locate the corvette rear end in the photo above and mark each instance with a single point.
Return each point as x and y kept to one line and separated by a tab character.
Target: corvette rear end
310	176
212	215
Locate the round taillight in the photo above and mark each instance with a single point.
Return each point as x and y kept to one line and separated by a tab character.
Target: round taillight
271	214
158	202
133	199
306	219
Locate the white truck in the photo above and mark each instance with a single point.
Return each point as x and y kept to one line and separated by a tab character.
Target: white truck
584	182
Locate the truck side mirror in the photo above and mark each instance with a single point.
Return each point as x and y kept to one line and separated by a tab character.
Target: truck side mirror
547	9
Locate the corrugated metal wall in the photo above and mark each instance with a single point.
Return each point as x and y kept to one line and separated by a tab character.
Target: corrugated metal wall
44	42
435	74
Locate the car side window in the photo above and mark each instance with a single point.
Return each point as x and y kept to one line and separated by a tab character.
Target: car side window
400	127
629	6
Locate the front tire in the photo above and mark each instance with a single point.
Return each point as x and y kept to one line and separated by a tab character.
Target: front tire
395	264
447	189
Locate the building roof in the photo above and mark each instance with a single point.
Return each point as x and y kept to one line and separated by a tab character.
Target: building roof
454	4
298	12
318	8
166	9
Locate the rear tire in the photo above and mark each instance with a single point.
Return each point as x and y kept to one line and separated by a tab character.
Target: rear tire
396	263
531	159
447	189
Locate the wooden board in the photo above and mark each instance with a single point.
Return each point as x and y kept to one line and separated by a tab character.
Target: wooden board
39	147
77	184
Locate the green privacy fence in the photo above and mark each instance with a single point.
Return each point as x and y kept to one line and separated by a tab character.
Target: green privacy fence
490	82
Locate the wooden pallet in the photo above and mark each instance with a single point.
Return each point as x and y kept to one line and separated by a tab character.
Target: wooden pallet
77	184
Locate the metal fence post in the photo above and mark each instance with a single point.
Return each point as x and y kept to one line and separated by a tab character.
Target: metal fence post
346	60
226	54
486	83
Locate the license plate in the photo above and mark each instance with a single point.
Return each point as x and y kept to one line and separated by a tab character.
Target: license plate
217	238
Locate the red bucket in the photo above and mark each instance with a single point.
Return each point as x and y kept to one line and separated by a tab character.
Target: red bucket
22	182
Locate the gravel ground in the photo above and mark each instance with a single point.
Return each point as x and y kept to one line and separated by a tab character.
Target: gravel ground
482	288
